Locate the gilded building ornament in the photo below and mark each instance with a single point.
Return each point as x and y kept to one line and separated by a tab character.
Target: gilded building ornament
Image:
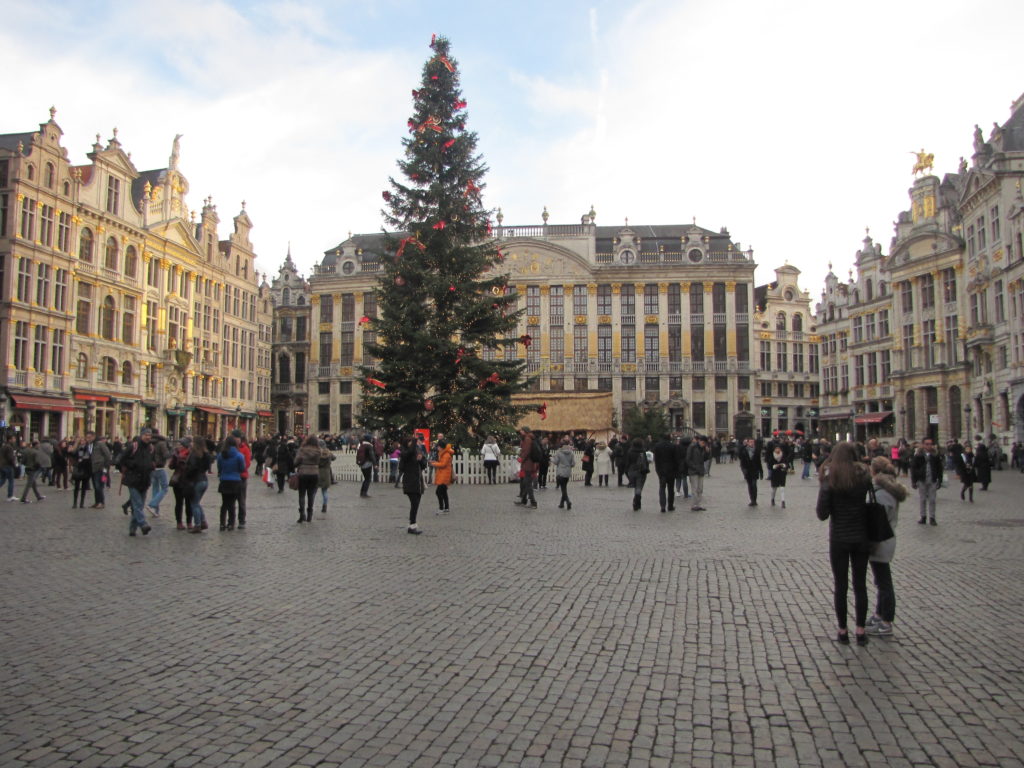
616	289
709	287
604	319
592	289
730	286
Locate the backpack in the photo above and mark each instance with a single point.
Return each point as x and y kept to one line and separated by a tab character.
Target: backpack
536	456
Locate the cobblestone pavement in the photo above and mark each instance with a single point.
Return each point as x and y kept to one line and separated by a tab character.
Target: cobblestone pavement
505	636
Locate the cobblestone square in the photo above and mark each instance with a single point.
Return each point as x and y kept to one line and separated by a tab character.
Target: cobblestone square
505	636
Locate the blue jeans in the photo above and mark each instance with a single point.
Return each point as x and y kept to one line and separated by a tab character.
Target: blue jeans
198	517
807	469
138	500
159	479
7	476
97	486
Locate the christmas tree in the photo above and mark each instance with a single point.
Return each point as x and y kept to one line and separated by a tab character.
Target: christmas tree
446	331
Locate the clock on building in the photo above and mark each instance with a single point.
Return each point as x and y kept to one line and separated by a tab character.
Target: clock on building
348	267
627	256
695	255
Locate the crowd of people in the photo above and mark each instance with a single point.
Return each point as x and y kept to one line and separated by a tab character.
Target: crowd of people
854	478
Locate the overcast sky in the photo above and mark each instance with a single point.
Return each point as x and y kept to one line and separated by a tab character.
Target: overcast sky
790	123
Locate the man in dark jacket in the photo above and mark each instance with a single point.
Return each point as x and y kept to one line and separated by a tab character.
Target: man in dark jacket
750	465
161	453
100	459
528	468
695	471
926	477
682	480
137	464
665	466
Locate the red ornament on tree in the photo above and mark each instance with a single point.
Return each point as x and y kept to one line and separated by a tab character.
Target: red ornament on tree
543	411
439	225
399	280
429	404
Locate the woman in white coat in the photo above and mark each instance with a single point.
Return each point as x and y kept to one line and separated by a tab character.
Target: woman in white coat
602	463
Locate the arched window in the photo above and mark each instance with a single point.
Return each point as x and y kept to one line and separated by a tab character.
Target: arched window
108	370
131	262
31	173
82	366
110	262
881	287
126	373
856	296
48	175
780	321
108	313
85	243
286	297
798	322
67	189
284	369
870	289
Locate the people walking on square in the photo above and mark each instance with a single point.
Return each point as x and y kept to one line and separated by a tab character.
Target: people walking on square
777	473
844	485
982	463
59	476
682	446
925	477
161	453
284	462
246	451
324	473
81	476
194	481
100	459
365	456
31	457
665	468
544	464
443	475
136	467
529	459
807	455
603	463
176	464
750	466
619	451
411	464
307	464
230	466
637	468
491	454
695	472
8	466
564	460
588	463
965	469
889	492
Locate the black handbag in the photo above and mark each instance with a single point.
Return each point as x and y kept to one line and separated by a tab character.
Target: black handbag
876	520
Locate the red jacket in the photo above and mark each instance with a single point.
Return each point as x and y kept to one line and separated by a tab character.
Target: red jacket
246	452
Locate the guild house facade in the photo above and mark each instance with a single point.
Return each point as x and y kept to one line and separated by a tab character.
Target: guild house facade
120	307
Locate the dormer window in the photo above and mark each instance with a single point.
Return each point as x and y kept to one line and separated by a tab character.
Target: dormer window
113	194
48	176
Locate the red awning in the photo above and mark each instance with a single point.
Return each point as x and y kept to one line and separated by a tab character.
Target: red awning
872	418
215	411
42	403
264	414
95	396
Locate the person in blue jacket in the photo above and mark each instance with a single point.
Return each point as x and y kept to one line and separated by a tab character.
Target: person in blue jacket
230	466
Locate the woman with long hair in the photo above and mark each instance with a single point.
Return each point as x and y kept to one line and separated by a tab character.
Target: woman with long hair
307	462
889	492
411	466
230	466
81	475
491	454
324	478
194	481
845	482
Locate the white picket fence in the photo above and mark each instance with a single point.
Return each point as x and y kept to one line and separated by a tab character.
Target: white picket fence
469	469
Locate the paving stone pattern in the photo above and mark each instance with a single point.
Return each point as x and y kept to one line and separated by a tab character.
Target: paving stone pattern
505	636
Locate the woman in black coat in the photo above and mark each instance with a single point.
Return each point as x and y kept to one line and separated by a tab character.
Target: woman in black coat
845	483
411	465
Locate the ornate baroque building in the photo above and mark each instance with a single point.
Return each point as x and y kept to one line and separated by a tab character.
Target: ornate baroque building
787	348
292	301
117	307
633	315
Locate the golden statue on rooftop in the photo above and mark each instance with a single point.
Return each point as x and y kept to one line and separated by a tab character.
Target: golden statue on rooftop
924	162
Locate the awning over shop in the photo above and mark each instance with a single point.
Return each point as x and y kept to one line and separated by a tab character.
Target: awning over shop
98	397
150	404
215	411
876	417
41	403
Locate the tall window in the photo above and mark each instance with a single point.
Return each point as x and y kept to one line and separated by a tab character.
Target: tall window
348	347
85	245
650	299
82	366
798	357
718	298
766	355
604	344
696	298
951	333
557	353
24	289
533	300
64	232
883	322
908	346
326	309
675	343
579	299
674	300
627	302
907	296
741	298
110	258
151	324
153	273
628	346
300	367
128	320
1000	302
113	194
108	370
579	343
284	369
43	285
131	262
48	175
326	342
83	311
28	219
949	285
126	373
108	313
57	352
927	291
780	356
46	215
604	299
21	345
652	348
39	348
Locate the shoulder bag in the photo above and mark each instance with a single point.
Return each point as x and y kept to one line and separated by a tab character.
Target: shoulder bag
876	519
